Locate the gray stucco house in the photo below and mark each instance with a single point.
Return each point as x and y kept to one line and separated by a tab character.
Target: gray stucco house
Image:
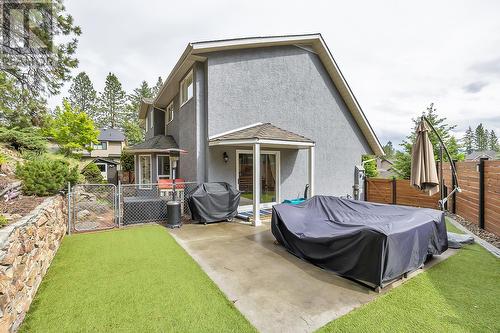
276	109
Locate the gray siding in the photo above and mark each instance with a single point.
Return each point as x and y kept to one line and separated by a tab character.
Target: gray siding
184	130
289	87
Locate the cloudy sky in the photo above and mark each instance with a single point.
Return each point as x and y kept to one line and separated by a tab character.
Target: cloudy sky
398	56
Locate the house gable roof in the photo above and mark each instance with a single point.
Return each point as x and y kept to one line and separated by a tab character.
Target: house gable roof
195	52
110	134
475	155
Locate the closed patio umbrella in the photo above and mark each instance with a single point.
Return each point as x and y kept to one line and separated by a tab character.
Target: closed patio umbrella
423	165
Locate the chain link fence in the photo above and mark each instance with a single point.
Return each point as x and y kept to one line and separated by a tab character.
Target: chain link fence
92	207
145	203
104	206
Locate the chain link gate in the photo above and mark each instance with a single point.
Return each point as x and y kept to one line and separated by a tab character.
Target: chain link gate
92	207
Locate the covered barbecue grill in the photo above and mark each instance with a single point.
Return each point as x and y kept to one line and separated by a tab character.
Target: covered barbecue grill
370	243
212	202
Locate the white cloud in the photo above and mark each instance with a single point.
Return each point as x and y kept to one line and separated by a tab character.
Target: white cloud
397	56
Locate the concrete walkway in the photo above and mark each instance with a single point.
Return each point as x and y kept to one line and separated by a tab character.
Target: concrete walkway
274	290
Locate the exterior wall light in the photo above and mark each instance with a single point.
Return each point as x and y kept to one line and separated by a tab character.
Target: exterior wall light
225	157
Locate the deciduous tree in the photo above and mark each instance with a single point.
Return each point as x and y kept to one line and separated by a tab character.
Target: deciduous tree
73	129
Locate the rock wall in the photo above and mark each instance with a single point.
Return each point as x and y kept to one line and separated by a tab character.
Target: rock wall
27	248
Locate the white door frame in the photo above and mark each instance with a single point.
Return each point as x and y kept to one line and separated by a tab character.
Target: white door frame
150	170
104	173
169	163
278	176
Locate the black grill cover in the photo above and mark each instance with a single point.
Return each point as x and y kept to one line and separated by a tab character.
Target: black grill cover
369	242
212	202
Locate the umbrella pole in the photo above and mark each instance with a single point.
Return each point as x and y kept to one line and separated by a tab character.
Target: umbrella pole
442	147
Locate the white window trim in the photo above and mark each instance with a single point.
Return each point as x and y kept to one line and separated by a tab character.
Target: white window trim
100	143
169	109
278	177
189	74
157	169
150	169
151	121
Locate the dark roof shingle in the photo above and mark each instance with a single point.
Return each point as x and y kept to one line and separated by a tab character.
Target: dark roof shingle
159	142
110	134
265	131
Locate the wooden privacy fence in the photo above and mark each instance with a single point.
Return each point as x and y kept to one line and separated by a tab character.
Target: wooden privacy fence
479	201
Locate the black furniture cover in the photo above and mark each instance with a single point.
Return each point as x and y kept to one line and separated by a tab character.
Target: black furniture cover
368	242
212	202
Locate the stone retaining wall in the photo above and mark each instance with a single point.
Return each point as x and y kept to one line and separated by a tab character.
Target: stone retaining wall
26	251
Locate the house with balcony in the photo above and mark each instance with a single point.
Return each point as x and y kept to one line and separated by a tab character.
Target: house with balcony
268	115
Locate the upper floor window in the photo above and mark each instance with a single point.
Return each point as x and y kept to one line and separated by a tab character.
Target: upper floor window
169	116
186	88
102	145
151	118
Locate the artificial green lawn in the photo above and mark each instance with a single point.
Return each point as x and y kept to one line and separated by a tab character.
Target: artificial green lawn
460	294
131	280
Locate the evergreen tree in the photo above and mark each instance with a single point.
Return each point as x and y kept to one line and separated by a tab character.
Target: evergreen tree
112	103
389	150
39	74
468	140
135	98
403	159
480	138
83	96
493	141
18	107
157	87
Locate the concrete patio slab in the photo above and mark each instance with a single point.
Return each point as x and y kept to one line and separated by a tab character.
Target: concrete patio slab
274	290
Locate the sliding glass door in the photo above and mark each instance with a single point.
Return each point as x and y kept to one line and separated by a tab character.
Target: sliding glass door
269	177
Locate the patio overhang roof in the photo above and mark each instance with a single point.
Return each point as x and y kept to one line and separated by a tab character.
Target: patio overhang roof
266	143
265	134
157	144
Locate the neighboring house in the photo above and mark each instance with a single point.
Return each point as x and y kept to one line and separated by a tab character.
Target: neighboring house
107	152
384	167
476	155
276	109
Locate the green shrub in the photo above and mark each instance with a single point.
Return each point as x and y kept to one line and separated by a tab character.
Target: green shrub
92	174
41	176
3	160
3	221
370	165
27	139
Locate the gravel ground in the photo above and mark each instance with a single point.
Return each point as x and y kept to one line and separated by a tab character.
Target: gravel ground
474	228
16	208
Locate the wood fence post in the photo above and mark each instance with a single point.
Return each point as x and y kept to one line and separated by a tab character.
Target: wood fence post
365	188
453	185
394	198
481	192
